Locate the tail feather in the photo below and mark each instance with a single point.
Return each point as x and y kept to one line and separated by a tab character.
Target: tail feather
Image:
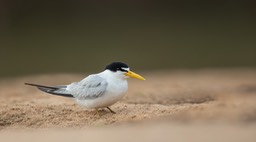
57	90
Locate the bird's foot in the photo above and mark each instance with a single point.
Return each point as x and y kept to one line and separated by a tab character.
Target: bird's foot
99	112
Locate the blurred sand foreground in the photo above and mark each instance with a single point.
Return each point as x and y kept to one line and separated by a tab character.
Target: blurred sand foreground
195	105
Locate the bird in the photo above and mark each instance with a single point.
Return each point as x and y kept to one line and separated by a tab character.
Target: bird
96	91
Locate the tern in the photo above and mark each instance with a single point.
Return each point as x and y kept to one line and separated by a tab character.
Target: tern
96	90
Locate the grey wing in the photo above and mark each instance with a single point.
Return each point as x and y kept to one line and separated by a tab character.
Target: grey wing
91	87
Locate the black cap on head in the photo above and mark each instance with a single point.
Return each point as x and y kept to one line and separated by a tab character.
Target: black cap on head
116	66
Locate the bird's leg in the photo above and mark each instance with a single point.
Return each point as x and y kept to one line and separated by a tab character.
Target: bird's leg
97	111
111	110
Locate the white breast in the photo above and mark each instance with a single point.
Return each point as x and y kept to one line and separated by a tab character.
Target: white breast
116	89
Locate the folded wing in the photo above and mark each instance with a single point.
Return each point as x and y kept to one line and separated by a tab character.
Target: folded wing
91	87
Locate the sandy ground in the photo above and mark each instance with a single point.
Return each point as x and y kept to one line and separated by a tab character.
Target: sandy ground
195	105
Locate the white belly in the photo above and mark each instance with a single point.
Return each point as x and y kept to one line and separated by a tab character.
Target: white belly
114	92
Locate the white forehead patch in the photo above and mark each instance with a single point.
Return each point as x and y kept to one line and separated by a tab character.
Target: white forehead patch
127	69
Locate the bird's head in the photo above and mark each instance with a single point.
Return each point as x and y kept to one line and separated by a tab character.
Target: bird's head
122	69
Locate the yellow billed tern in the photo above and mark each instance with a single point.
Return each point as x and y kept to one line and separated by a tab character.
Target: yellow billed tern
97	90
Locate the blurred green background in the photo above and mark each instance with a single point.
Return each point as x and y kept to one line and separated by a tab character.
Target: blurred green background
84	35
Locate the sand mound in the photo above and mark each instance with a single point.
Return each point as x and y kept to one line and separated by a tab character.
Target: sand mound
180	97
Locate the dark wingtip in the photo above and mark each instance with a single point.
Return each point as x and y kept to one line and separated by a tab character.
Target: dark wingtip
29	84
42	86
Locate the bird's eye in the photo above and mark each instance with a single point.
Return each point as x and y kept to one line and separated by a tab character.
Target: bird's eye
121	69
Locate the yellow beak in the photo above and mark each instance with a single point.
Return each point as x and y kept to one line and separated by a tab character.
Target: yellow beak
134	75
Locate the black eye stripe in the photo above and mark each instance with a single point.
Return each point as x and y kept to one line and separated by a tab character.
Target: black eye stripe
120	69
123	70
